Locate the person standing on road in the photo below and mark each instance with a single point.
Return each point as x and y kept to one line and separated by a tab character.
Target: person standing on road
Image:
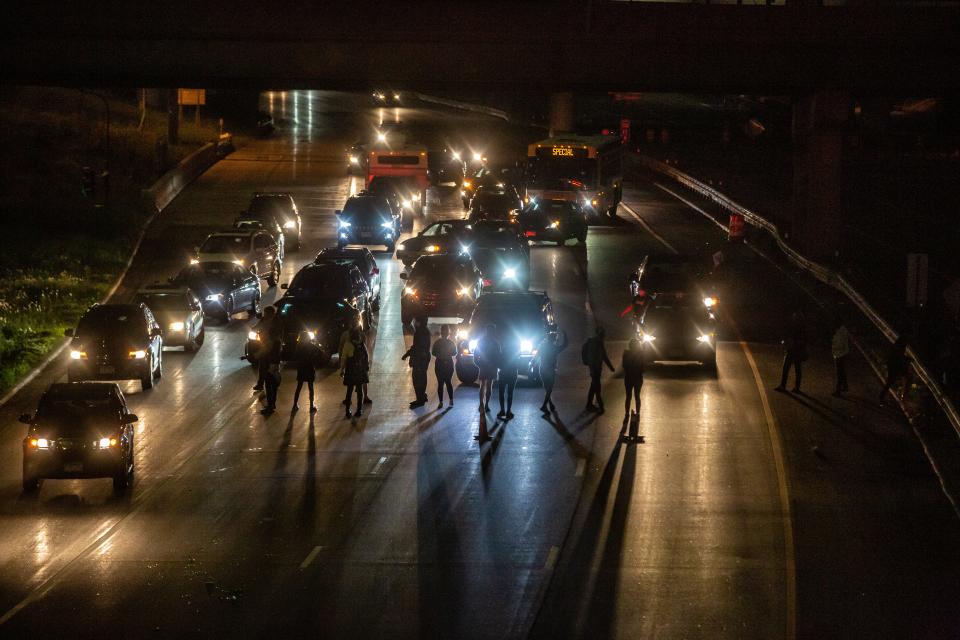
444	352
487	358
306	356
633	365
898	367
419	355
794	352
344	340
840	348
270	359
594	355
507	377
355	368
268	328
548	351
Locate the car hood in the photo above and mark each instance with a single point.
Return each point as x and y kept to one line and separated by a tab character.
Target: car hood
210	285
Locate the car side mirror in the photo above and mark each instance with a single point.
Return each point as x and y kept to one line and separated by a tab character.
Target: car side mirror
26	418
129	418
403	275
284	286
69	333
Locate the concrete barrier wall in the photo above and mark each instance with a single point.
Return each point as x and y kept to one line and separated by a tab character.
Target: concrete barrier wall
162	192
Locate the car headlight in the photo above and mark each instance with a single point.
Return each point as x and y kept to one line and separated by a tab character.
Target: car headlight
467	184
177	326
594	202
311	335
463	291
648	337
215	297
465	249
433	248
381	137
105	443
410	291
462	334
253	336
354	160
39	443
238	262
709	302
344	224
139	354
396	96
289	224
194	261
386	225
555	224
509	272
705	338
472	345
343	236
405	204
526	346
478	157
78	355
455	155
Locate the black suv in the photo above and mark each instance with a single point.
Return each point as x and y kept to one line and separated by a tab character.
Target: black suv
554	221
178	312
522	319
116	342
503	258
368	219
495	203
362	259
678	327
80	430
441	286
319	304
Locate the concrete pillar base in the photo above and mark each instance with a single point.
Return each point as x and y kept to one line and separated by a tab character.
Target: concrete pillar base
561	113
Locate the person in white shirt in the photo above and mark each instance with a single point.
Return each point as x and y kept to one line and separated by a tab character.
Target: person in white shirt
840	348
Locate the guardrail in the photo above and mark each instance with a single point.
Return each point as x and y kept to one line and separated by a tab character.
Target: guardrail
464	106
824	274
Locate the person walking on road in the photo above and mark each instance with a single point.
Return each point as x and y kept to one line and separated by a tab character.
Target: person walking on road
898	367
268	328
594	355
633	365
507	377
487	358
306	357
840	349
794	352
548	351
355	368
419	356
443	352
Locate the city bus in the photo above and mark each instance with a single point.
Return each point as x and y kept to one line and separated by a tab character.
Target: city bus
406	167
584	169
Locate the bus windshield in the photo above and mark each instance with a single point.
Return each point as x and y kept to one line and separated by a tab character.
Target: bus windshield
556	173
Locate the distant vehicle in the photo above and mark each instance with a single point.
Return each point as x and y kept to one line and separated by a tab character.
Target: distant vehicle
678	327
522	319
444	236
404	199
500	226
500	176
80	430
363	260
357	159
319	304
116	342
386	98
495	203
440	286
587	170
554	221
368	219
405	164
178	312
255	251
274	210
446	167
264	124
503	259
223	288
687	275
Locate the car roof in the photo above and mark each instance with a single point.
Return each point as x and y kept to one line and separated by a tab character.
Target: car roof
103	309
81	390
160	288
339	266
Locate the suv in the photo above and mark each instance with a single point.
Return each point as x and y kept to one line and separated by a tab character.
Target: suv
440	286
363	260
495	203
116	342
80	430
678	327
522	319
178	311
368	219
275	213
253	250
554	221
444	236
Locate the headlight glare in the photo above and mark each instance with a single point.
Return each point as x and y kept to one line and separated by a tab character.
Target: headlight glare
177	326
138	354
526	346
344	224
215	297
648	337
78	355
410	291
289	224
253	335
710	302
509	272
705	338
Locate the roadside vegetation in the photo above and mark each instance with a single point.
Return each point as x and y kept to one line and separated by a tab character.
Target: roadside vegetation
60	250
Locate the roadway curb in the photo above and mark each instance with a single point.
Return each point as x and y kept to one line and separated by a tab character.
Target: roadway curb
157	197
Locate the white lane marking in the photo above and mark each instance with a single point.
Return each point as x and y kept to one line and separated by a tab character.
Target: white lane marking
692	206
310	558
552	558
648	228
787	517
581	466
378	466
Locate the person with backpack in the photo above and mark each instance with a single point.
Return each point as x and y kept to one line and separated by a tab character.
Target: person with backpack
548	351
355	368
487	358
444	351
594	355
306	359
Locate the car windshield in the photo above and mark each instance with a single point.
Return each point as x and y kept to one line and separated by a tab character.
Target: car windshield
320	283
436	272
78	415
495	202
163	301
106	323
366	210
557	173
670	276
225	244
554	209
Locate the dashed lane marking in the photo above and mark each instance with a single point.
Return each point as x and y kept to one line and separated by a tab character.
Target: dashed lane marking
378	466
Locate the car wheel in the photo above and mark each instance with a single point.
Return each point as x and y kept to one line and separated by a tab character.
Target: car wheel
190	345
274	275
30	483
376	304
467	374
146	382
256	309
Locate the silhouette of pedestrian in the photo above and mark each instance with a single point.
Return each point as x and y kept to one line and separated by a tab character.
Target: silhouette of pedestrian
594	355
344	340
898	367
507	377
419	356
268	328
794	352
444	352
633	365
355	368
487	358
306	358
270	358
548	351
840	349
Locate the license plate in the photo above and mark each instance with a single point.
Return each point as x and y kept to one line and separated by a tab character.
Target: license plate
365	234
73	467
108	370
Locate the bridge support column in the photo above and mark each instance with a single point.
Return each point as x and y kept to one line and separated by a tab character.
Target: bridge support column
561	113
819	121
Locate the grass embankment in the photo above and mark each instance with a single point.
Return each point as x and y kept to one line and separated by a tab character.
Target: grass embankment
59	251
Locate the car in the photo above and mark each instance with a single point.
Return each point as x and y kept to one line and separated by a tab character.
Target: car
502	257
363	260
116	342
440	286
178	312
254	250
446	167
79	430
223	288
495	203
357	160
386	98
442	236
522	319
554	221
402	193
678	327
368	219
490	176
272	210
669	273
320	303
